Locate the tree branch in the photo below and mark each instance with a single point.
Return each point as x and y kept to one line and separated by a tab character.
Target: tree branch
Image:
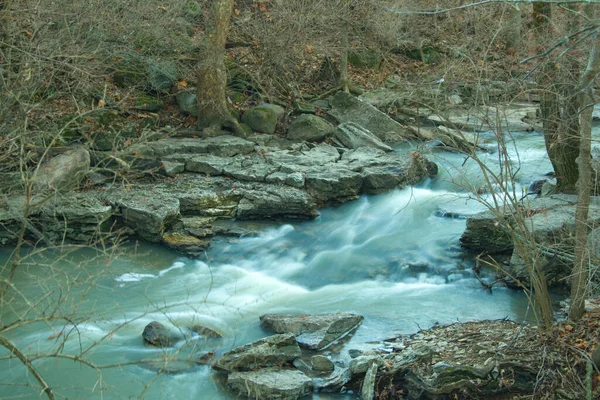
23	358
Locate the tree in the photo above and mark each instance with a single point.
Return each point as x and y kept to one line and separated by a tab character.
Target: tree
212	74
579	283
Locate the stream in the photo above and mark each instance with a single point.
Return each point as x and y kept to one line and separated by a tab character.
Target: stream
393	258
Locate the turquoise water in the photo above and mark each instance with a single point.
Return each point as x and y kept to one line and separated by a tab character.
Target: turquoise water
392	258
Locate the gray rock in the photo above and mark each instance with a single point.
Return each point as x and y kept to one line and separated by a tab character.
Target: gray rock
335	185
147	103
222	146
362	157
156	334
278	110
512	118
149	213
385	99
210	164
354	136
162	75
267	352
188	102
172	168
483	233
320	363
347	108
368	387
294	179
65	171
334	381
261	119
276	202
310	128
361	364
314	332
455	99
186	243
380	179
267	384
205	331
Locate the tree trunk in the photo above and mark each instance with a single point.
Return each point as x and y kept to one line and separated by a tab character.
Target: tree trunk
581	265
212	75
560	121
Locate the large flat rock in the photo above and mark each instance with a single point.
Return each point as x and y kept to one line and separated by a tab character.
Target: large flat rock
271	383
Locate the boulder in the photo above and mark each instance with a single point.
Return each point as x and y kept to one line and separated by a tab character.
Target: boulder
267	352
156	334
271	383
161	75
360	364
188	102
354	136
322	364
332	382
310	128
513	117
206	332
147	103
315	332
294	179
347	108
261	118
65	171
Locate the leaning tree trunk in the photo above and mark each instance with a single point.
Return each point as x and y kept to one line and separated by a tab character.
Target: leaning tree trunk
212	74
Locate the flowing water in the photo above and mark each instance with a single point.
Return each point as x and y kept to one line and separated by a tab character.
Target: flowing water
393	258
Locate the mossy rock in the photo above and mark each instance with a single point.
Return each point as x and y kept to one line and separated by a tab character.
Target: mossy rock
261	119
365	58
192	9
147	103
162	75
129	71
188	102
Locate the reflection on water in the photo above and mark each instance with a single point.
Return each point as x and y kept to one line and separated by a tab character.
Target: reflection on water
393	258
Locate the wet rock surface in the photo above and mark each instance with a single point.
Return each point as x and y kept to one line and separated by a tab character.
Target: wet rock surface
314	332
284	384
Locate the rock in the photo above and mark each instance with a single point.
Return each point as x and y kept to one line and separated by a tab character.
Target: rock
279	384
129	70
385	99
172	168
188	102
310	128
337	185
347	108
147	103
368	387
320	363
361	363
354	136
149	213
365	58
333	382
205	331
455	99
65	171
76	217
278	110
276	202
162	75
185	243
156	334
261	118
210	164
483	233
464	142
315	332
512	117
267	352
221	146
294	179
